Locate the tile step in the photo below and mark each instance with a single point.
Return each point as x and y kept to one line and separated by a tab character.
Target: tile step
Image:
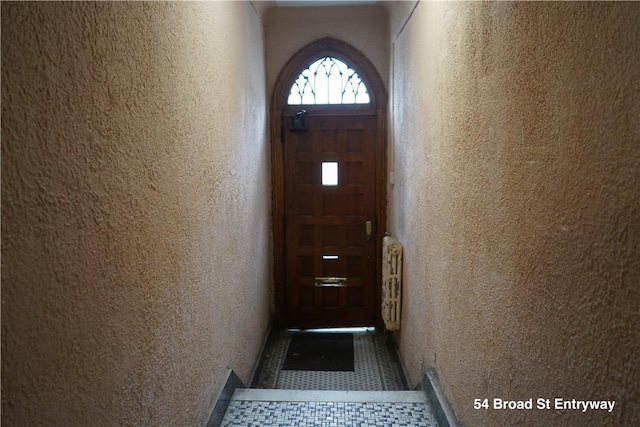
321	408
278	395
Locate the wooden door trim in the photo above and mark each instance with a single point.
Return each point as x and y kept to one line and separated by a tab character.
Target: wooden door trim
378	106
329	110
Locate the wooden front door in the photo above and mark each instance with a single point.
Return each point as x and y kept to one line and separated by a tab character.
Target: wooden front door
330	211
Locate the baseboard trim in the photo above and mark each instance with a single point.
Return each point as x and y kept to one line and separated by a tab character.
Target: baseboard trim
443	413
259	365
395	356
230	386
233	382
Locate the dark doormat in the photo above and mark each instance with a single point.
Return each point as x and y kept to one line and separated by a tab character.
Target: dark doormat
320	352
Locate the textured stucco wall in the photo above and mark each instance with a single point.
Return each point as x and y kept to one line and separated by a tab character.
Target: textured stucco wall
135	209
516	146
288	29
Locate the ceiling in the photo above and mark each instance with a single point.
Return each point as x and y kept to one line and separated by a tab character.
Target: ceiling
261	6
298	3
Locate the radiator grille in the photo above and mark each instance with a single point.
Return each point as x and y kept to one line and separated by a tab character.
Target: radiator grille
391	282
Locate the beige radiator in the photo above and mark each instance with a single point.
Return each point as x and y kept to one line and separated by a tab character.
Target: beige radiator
391	282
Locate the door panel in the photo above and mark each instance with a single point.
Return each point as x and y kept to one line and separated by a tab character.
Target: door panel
329	257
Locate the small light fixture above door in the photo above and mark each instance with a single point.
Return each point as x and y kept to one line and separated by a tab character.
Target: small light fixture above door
297	122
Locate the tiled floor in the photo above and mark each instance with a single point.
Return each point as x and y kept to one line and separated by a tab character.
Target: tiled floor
375	367
372	395
318	408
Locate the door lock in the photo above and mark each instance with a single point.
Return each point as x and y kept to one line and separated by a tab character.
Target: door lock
369	229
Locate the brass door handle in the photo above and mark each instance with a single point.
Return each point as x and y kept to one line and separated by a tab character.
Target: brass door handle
331	282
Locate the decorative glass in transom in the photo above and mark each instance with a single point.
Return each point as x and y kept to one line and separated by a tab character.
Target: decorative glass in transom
328	81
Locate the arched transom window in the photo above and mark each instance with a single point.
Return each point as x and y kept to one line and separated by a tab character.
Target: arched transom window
328	81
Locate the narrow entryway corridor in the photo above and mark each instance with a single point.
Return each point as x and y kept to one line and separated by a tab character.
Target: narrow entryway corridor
179	180
329	378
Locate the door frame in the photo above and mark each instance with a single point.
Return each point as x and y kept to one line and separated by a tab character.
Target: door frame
378	106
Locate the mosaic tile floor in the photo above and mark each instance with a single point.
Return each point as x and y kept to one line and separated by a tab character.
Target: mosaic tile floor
331	409
375	367
374	394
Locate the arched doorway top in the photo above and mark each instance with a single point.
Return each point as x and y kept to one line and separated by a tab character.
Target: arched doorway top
328	81
332	48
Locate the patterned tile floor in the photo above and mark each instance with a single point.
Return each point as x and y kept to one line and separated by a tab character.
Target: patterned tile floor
261	407
371	394
329	414
375	367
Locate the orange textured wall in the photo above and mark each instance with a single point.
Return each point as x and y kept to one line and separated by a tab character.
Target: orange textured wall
135	209
516	151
